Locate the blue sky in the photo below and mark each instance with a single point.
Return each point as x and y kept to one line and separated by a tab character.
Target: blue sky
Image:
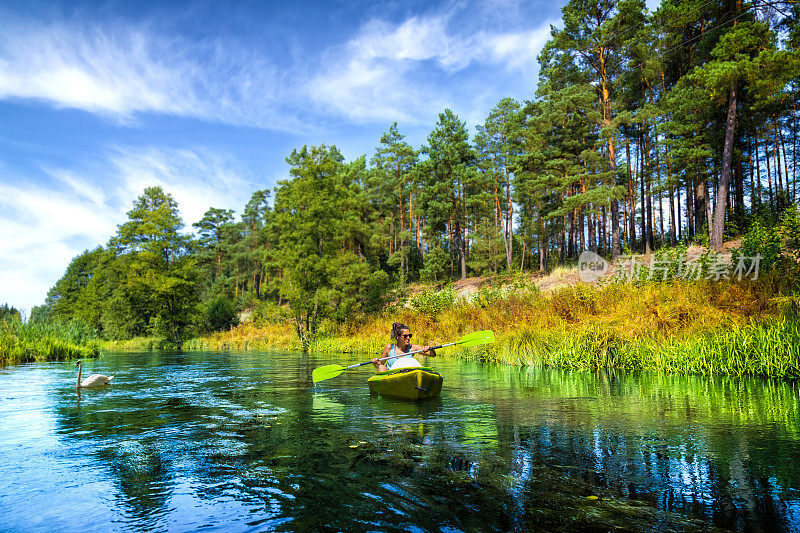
99	100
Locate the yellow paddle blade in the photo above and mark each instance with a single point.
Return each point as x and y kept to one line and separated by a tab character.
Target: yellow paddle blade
477	338
326	372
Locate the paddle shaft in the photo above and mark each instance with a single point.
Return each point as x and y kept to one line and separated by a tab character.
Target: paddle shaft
384	359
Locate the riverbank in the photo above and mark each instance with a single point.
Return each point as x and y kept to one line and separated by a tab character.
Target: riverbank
707	327
25	342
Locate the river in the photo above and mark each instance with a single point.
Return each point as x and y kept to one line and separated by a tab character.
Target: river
241	442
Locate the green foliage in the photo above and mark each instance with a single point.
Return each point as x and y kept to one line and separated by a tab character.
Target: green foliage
432	302
45	340
778	245
9	314
487	255
486	296
267	312
219	314
437	265
447	175
77	293
378	292
319	213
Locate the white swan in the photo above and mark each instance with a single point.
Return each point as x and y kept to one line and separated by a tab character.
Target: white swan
95	380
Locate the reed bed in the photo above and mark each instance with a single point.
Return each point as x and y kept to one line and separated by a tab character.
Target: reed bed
26	342
136	343
739	328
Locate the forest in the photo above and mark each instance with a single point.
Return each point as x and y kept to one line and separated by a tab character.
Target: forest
647	130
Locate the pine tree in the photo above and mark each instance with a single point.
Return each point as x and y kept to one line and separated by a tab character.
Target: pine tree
446	174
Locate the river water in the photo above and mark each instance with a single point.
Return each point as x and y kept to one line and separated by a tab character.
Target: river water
240	442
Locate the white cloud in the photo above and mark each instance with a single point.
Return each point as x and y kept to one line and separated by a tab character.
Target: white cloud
47	229
45	226
119	70
377	74
196	179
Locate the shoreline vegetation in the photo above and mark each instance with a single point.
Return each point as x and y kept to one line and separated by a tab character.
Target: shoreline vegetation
735	328
22	342
727	327
629	144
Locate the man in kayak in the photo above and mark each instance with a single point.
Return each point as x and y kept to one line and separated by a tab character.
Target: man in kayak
401	334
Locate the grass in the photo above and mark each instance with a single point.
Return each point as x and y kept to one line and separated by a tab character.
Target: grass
738	328
136	343
25	342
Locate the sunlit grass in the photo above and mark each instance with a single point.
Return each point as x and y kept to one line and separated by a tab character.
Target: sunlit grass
24	342
136	343
737	328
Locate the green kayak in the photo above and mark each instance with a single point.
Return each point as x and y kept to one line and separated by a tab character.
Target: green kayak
419	383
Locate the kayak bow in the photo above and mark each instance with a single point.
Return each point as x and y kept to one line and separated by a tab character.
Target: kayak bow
414	384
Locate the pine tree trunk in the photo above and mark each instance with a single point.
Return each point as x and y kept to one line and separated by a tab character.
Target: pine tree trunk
727	158
631	197
672	234
690	227
612	158
508	230
778	173
738	177
707	203
755	196
642	170
571	251
648	196
660	202
678	219
785	163
769	176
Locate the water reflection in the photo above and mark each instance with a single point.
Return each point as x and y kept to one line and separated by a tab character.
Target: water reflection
219	440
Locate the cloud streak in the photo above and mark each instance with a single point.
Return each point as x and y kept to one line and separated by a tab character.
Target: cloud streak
380	74
45	226
119	70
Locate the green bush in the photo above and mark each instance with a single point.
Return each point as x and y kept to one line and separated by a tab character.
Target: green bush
436	265
778	244
267	312
432	302
219	314
487	296
378	292
9	313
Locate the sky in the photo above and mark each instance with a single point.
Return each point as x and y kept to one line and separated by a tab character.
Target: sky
99	100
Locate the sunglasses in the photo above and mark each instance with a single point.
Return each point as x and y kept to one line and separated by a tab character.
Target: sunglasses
407	335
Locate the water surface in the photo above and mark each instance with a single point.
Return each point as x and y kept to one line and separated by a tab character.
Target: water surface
241	442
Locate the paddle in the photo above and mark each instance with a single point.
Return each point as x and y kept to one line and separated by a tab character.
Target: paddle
471	339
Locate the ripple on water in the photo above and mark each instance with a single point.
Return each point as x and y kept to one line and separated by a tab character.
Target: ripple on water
214	441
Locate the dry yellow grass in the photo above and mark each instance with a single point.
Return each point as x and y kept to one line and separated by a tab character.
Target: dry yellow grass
609	316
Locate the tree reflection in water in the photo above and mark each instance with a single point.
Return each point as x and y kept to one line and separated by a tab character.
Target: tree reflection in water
218	439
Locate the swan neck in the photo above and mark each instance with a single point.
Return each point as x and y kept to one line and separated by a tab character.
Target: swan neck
80	368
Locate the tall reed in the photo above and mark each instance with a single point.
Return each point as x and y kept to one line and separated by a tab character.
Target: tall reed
741	328
24	342
679	326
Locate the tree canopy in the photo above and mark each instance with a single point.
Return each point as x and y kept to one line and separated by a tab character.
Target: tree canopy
646	129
